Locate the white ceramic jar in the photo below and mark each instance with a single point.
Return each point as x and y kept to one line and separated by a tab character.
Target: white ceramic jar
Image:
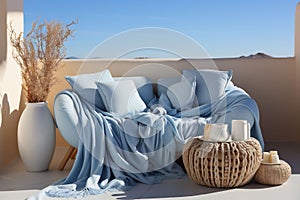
36	136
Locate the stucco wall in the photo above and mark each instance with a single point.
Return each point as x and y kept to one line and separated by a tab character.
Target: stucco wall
297	55
2	31
11	11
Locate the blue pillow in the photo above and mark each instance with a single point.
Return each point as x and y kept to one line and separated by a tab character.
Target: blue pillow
166	104
182	94
121	97
210	84
84	85
164	83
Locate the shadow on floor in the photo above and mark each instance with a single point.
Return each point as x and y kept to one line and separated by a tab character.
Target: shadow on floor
176	188
171	189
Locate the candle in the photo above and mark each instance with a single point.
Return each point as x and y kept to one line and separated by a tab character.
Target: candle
266	157
274	158
248	131
273	152
216	132
240	130
271	157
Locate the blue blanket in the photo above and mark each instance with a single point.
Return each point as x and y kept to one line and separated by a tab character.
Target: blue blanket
114	153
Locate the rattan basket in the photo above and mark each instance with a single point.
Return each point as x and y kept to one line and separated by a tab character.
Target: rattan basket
273	174
222	164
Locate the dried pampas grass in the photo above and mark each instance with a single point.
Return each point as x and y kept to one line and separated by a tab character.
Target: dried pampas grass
39	54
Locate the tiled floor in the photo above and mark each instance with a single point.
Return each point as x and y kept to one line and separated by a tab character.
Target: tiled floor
16	178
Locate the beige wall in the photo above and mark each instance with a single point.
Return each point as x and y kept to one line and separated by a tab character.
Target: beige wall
10	81
297	55
2	31
272	83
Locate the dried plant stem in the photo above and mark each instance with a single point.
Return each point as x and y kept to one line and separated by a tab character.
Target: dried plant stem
39	54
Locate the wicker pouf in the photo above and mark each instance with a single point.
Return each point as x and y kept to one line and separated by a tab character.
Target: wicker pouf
273	174
222	164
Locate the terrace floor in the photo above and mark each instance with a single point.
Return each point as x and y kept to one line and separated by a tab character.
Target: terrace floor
16	183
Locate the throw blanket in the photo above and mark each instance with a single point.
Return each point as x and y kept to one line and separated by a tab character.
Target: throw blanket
114	153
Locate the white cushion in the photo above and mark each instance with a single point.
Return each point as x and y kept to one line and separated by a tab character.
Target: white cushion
121	97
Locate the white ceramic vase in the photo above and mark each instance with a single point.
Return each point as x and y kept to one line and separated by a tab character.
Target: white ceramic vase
36	136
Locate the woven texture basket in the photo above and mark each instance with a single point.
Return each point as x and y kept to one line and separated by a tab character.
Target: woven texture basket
273	174
222	164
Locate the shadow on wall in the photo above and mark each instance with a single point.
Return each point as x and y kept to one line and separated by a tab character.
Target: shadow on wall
8	133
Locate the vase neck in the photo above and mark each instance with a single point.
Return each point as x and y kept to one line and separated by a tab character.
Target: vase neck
37	104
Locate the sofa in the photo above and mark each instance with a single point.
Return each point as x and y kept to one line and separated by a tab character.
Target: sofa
131	129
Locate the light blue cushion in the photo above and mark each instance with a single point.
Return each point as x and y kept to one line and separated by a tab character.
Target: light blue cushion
210	84
121	97
84	85
143	84
164	83
182	94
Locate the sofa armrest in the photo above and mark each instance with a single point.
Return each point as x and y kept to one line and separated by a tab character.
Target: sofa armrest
66	118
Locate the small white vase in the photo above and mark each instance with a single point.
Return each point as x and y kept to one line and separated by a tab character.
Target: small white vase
36	136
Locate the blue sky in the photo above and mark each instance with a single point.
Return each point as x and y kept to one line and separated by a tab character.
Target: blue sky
222	28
